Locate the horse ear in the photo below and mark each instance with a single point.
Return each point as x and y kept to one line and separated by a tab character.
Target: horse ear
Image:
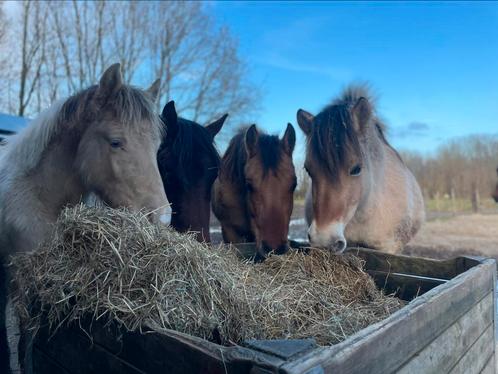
305	121
289	139
170	118
362	111
110	82
251	141
153	90
215	127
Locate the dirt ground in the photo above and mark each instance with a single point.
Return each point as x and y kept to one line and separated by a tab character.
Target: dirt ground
472	234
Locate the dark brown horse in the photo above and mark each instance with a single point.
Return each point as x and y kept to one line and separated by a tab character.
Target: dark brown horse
188	163
362	192
495	194
253	194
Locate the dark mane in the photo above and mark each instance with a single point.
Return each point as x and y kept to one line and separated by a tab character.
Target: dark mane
235	157
191	143
130	105
334	139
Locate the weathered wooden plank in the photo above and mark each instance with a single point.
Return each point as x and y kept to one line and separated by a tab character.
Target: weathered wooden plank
79	356
446	350
476	358
389	263
490	367
169	351
387	345
404	286
45	365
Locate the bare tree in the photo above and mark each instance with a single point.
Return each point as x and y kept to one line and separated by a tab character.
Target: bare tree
461	168
33	34
4	24
4	64
65	48
198	62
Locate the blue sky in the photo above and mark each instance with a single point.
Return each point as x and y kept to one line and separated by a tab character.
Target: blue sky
433	66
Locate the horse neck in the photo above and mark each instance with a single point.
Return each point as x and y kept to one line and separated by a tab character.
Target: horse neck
55	179
192	210
376	153
234	190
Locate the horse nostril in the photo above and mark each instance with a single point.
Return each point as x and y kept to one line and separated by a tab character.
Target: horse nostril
265	247
282	249
258	258
340	245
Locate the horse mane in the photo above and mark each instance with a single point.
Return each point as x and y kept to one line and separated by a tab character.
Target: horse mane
333	136
191	141
130	105
235	157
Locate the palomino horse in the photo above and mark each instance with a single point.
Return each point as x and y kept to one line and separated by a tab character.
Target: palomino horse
102	140
253	194
361	192
188	163
495	194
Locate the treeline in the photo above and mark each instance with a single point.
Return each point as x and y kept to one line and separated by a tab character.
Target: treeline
51	49
463	168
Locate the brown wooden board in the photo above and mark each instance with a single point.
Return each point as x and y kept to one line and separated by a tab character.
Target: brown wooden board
380	348
459	346
404	286
476	358
385	346
112	350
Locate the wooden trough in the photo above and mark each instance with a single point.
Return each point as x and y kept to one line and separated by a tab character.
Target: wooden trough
448	327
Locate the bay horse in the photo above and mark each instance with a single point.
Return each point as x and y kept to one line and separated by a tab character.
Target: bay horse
495	194
188	162
102	140
361	191
253	194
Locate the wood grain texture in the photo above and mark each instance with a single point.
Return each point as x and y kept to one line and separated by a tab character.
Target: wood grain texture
386	346
457	343
476	358
381	348
490	367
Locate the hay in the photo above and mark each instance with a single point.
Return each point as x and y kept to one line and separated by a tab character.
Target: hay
115	265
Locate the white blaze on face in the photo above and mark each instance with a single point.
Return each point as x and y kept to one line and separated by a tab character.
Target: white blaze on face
165	216
330	236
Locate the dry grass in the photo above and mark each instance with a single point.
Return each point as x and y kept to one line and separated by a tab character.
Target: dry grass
115	265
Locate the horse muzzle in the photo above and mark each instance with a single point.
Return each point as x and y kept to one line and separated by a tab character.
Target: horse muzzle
265	249
330	237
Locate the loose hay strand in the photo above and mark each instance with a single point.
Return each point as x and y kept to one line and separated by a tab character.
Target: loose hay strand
116	265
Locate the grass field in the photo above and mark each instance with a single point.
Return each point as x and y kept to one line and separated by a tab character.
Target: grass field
458	205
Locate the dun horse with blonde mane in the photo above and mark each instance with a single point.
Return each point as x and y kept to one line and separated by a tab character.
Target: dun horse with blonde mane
362	193
103	140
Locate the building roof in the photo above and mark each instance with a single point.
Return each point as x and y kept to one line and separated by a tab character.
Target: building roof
11	124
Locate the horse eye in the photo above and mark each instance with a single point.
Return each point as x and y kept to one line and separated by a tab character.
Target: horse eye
355	171
249	187
116	143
